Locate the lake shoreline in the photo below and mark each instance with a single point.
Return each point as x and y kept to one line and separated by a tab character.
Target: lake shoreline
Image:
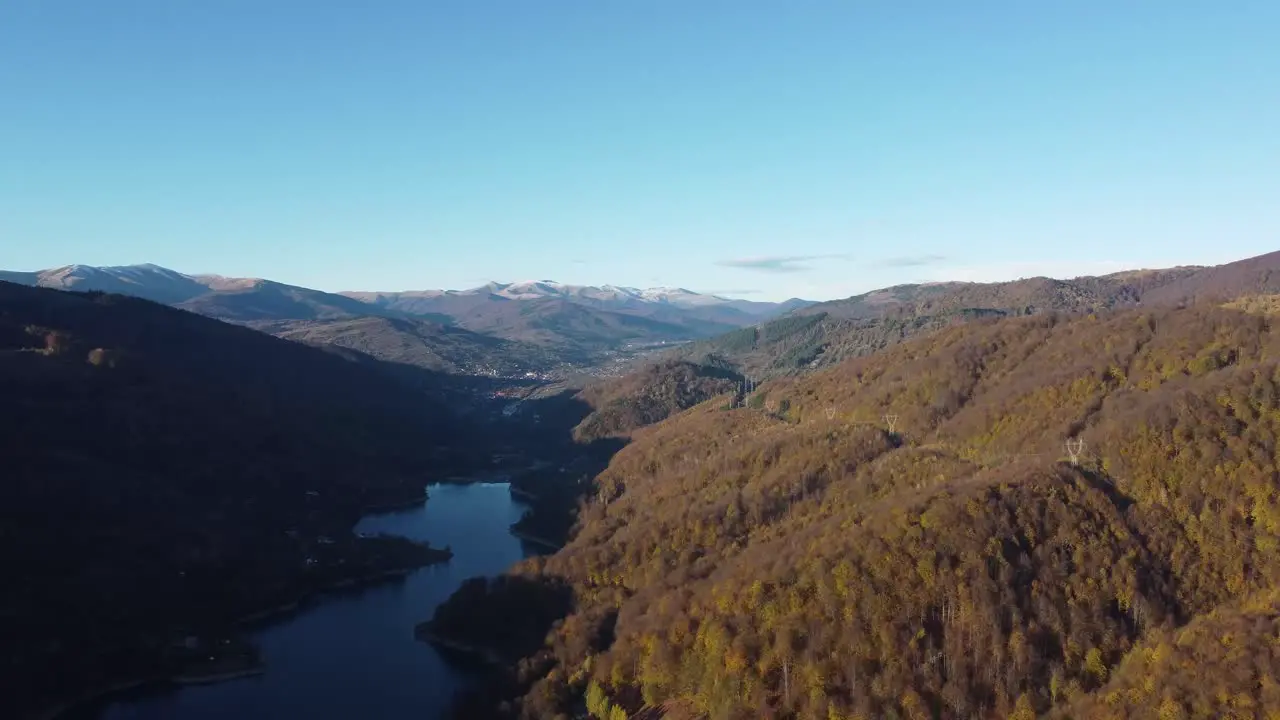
423	633
209	679
149	682
278	613
523	494
54	712
536	540
462	523
396	505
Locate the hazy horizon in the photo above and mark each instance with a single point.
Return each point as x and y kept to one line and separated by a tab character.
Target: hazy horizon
777	152
753	295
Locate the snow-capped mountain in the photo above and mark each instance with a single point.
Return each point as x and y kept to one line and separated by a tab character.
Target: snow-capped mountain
237	299
620	294
544	311
149	281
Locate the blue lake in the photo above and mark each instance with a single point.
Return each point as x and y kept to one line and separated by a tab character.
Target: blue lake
353	655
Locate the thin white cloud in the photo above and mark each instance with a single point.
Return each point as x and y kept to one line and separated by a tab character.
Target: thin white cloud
752	291
778	263
913	261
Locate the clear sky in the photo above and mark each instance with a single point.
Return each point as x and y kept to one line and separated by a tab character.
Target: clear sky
776	149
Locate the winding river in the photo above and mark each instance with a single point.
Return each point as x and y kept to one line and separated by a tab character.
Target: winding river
353	655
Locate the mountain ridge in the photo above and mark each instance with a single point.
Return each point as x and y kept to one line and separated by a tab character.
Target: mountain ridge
578	324
526	289
824	334
136	277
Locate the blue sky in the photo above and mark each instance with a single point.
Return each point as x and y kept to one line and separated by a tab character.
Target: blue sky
813	149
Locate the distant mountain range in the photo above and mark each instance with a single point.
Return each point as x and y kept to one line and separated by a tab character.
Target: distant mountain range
234	299
822	334
535	326
611	297
498	327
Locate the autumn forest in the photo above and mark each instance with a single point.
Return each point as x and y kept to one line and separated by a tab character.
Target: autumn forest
1057	515
1055	512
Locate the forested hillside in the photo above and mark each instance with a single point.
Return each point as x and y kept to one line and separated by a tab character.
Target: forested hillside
614	408
649	395
829	333
910	535
165	474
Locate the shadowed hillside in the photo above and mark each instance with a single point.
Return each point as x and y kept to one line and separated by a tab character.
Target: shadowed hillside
425	344
909	535
243	300
165	473
602	417
568	325
1221	665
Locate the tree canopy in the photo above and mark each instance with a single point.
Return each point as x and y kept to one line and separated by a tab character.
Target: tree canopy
909	535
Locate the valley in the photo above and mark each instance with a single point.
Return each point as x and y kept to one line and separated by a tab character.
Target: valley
828	539
229	467
541	330
639	361
806	556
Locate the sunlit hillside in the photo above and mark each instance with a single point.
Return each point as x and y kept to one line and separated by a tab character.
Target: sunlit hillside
985	522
